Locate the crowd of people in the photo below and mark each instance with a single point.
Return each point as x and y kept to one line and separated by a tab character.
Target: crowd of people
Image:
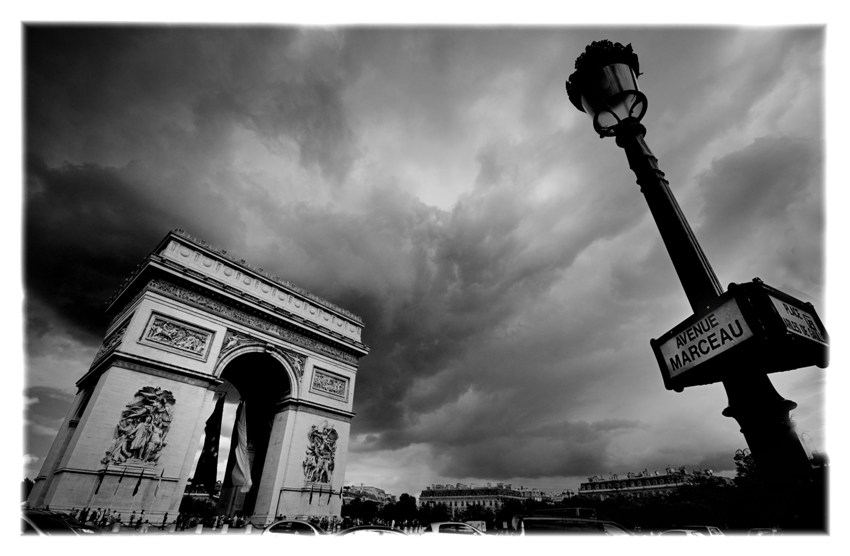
138	522
104	520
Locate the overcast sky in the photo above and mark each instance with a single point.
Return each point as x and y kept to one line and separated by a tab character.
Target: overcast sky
438	183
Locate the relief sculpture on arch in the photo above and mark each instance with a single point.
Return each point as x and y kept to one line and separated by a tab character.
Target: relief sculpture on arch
140	434
319	462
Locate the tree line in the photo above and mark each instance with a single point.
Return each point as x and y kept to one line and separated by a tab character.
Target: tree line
749	501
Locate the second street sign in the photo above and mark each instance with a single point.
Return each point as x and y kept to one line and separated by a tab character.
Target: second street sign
750	327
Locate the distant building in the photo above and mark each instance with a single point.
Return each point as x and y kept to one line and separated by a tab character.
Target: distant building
459	496
563	495
643	483
370	493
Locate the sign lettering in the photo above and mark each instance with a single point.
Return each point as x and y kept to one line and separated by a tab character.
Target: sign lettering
798	321
713	334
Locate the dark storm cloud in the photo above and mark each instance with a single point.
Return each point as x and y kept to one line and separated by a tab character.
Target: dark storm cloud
562	450
105	90
44	410
763	181
432	284
770	187
509	328
85	228
311	114
152	110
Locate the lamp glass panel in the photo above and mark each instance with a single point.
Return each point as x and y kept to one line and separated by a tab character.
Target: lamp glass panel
607	119
621	105
609	88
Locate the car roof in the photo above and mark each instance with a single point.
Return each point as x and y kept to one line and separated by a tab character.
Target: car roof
371	528
564	518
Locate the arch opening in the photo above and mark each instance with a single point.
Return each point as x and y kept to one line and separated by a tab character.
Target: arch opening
254	384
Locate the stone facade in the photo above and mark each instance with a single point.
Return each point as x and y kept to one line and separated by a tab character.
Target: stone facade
184	324
458	497
644	483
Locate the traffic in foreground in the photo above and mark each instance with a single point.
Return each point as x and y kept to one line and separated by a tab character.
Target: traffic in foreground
50	523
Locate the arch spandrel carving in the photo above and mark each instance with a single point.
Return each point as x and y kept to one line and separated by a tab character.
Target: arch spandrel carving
242	344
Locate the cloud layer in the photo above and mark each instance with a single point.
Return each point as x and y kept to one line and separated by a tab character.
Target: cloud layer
437	183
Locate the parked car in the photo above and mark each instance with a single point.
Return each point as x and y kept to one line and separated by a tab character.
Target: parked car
292	527
550	525
371	530
452	528
708	530
582	513
44	522
763	531
681	533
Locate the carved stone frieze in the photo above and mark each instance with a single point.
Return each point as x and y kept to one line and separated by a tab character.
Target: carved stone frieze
256	282
197	300
233	340
112	341
296	361
177	336
273	278
329	383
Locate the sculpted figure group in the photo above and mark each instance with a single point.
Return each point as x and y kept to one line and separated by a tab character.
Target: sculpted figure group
140	434
319	462
171	334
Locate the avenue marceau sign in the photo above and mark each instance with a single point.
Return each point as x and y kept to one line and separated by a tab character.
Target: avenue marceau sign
750	328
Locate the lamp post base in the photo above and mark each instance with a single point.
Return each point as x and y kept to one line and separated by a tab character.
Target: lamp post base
765	421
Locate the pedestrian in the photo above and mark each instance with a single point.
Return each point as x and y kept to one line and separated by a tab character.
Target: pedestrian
145	526
132	518
164	520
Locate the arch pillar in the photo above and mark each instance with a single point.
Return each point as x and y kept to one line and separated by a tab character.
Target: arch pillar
286	488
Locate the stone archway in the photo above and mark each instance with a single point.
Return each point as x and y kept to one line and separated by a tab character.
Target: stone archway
262	384
189	321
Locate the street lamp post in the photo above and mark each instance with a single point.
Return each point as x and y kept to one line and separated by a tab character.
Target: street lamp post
604	86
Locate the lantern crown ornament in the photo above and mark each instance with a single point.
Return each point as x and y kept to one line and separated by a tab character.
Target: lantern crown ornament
605	86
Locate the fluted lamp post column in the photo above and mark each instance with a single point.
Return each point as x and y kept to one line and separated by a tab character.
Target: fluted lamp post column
605	86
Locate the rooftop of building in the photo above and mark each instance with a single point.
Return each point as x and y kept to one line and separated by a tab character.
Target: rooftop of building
680	472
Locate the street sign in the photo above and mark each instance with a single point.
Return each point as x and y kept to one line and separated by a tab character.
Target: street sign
710	335
750	328
798	321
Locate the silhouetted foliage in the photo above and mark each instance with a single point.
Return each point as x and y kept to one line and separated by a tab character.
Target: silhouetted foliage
478	512
745	468
747	502
363	510
431	513
404	511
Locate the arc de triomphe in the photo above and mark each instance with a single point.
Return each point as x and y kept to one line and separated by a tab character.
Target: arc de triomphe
190	326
